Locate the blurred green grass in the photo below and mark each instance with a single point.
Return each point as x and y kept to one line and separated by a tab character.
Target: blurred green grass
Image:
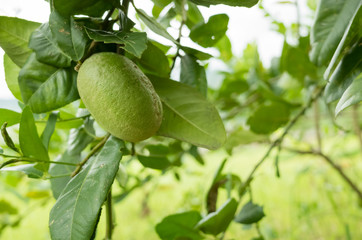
309	201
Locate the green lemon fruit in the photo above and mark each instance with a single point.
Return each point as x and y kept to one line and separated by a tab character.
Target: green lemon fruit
119	96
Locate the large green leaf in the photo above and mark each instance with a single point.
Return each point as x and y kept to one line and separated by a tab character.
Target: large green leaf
193	74
267	119
347	69
208	34
69	35
9	116
217	222
78	140
240	3
30	142
14	37
152	24
11	76
46	47
250	213
76	211
179	226
133	42
332	19
352	95
187	115
94	8
45	88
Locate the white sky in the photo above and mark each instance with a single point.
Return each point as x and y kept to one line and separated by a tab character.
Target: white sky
246	25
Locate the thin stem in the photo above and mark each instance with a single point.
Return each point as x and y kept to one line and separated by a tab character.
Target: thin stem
334	165
33	160
279	140
183	21
356	124
68	119
317	125
94	150
109	216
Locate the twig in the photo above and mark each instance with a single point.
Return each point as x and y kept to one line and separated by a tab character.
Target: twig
279	140
94	150
67	119
183	21
33	160
317	125
334	165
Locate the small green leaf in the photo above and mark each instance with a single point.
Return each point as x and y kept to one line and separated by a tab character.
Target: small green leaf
154	162
208	34
250	213
240	3
46	48
7	139
179	226
133	42
351	96
194	16
7	208
187	115
198	54
147	61
193	74
332	19
267	119
30	143
9	116
14	37
78	140
152	24
193	151
11	76
241	137
29	169
225	49
76	211
217	222
49	129
45	88
69	35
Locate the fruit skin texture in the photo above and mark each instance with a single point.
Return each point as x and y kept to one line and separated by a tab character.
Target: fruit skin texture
119	96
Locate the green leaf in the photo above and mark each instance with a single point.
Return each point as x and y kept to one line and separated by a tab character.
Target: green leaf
69	35
154	162
241	137
7	139
152	24
45	88
147	61
331	21
133	42
193	74
30	143
94	8
250	213
351	96
194	16
49	129
29	169
76	211
179	226
77	142
267	119
217	222
198	54
9	116
11	76
240	3
14	37
46	48
224	47
348	69
7	208
187	115
193	151
208	34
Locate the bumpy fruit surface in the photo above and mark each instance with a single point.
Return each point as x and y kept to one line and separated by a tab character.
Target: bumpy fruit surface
119	96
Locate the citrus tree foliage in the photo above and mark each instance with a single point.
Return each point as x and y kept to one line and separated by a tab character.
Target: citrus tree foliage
60	141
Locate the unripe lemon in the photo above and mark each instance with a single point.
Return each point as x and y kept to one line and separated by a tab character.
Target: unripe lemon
119	96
